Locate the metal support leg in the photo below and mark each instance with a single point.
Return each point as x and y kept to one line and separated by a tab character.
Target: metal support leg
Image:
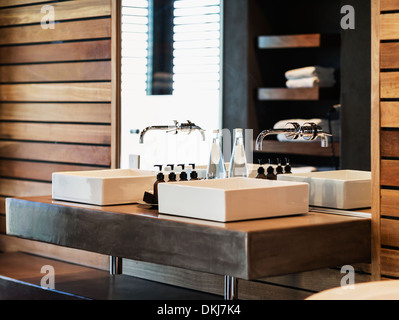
115	265
230	288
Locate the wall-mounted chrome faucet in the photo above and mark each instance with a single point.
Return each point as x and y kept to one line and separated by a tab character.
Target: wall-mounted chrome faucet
176	128
308	131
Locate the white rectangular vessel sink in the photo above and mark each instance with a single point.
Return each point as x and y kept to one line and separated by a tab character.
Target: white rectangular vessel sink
341	189
233	199
103	187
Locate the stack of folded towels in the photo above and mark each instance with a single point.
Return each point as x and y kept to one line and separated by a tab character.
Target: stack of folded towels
310	77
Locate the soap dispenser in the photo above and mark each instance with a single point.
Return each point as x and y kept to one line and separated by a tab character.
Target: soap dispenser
287	168
193	173
279	169
270	172
183	174
160	179
172	175
261	171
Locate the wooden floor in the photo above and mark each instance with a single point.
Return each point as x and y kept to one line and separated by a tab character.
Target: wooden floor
20	278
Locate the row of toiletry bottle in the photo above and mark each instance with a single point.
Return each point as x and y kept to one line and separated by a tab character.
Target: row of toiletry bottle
238	165
172	177
270	170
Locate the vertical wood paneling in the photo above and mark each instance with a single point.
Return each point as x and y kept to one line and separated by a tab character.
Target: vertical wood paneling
375	139
56	98
385	135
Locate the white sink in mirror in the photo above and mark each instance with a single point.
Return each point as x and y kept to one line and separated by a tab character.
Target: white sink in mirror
103	187
341	189
233	199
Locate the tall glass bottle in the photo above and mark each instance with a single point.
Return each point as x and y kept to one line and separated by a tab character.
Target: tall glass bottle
238	164
216	168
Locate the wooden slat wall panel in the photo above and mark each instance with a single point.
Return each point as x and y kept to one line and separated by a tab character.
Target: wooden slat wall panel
390	262
389	55
10	3
68	51
389	5
66	10
36	170
390	144
389	114
389	234
55	93
76	133
50	152
386	110
64	31
389	29
78	71
390	84
21	188
390	173
56	112
390	203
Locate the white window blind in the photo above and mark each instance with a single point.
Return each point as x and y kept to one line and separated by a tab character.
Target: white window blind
135	45
197	42
197	45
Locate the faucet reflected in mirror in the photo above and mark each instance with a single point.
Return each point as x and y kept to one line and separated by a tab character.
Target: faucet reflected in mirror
176	128
308	131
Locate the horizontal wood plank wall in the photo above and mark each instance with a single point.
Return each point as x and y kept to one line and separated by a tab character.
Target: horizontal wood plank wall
55	93
387	21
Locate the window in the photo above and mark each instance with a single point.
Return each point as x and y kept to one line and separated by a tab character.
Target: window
196	64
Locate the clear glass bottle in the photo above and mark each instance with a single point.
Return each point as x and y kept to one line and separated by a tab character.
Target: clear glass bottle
238	164
216	168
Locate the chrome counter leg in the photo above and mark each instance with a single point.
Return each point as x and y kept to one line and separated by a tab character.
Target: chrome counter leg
230	288
115	265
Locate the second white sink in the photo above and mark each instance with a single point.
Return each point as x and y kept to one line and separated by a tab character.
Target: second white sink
341	189
103	187
233	199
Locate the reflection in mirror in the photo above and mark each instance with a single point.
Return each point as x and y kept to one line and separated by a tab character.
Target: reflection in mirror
170	71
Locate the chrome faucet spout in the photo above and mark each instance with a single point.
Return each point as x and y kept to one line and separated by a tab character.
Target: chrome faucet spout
292	131
151	128
176	128
308	131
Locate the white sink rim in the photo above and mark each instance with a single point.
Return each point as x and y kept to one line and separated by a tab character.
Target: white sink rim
214	201
323	175
351	193
102	187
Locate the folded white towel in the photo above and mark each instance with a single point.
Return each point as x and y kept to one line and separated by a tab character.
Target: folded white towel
316	71
323	123
310	82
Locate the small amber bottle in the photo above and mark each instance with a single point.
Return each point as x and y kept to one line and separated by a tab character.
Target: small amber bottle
183	174
270	172
160	179
287	168
261	171
279	169
172	175
193	173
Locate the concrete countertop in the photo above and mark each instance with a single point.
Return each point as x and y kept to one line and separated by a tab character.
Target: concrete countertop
247	249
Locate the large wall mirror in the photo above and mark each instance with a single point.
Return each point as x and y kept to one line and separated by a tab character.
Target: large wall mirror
202	61
171	71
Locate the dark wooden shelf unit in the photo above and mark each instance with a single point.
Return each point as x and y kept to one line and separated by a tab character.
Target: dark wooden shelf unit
311	40
307	94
